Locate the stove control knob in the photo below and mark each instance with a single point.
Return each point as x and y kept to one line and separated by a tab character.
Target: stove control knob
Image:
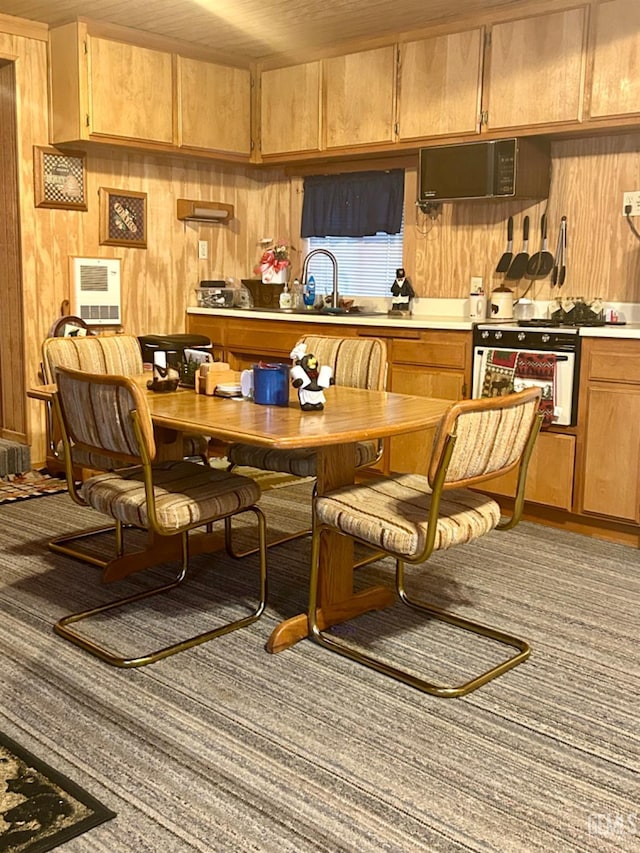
498	335
545	339
484	334
521	336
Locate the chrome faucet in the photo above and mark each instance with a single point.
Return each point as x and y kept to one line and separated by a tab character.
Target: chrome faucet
334	262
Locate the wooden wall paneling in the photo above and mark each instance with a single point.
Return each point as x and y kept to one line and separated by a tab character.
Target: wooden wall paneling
589	177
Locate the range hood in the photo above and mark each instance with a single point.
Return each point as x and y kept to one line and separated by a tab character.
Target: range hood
204	211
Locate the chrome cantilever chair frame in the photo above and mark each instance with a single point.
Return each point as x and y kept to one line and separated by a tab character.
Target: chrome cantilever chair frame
433	491
336	352
104	354
133	430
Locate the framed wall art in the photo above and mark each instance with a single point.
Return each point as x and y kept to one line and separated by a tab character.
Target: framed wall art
123	218
59	178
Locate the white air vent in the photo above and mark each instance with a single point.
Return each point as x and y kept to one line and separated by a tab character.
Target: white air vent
96	287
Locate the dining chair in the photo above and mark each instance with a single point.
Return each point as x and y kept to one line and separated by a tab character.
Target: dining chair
105	354
410	517
109	414
356	363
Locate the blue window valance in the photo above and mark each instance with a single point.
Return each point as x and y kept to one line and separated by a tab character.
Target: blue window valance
356	204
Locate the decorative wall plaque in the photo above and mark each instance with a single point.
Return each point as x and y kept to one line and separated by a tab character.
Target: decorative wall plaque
123	218
59	178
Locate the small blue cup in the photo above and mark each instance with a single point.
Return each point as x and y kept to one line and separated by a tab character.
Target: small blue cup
271	384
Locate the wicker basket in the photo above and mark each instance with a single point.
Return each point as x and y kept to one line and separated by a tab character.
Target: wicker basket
263	295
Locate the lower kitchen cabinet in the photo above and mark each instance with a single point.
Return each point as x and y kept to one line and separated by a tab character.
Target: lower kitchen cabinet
432	364
550	474
610	453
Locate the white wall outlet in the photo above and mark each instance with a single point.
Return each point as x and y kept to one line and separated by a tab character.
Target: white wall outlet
633	199
476	283
203	250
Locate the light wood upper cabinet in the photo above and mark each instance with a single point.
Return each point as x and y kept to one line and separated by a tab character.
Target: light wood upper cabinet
214	106
440	80
536	70
109	89
290	109
131	91
359	98
615	87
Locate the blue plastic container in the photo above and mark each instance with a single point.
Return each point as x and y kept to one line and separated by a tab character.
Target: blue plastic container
271	384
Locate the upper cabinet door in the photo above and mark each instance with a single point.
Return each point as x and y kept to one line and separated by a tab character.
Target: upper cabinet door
290	109
360	98
130	91
214	107
536	70
615	88
440	84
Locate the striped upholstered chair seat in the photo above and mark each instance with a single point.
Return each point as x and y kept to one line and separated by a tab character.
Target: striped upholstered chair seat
356	363
109	415
409	517
109	354
403	503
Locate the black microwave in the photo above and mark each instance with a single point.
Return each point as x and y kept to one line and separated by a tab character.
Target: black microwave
500	169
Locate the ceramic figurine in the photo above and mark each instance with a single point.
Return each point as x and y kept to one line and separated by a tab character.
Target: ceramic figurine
402	292
309	379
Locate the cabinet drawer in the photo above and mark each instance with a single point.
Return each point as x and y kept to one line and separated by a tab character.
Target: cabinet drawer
617	361
441	349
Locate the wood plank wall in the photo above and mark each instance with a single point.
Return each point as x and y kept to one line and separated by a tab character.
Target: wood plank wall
589	177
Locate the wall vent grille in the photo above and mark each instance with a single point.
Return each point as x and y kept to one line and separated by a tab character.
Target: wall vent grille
96	285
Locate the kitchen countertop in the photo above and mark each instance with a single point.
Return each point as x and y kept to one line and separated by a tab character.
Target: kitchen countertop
381	319
630	331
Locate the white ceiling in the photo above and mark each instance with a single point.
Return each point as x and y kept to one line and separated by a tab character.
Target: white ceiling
252	29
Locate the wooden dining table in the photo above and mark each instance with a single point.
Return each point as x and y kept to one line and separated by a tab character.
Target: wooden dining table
350	415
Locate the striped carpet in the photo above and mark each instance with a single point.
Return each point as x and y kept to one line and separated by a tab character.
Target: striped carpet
226	748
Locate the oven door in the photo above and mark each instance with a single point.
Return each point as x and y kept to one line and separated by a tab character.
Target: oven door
565	390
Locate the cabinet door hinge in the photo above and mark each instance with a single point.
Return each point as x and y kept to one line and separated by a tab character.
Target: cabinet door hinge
396	128
487	38
86	120
484	117
85	46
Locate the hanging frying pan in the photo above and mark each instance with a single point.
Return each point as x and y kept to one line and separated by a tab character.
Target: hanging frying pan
518	265
505	261
541	263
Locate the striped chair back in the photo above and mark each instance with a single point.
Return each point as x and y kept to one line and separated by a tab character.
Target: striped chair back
490	437
95	411
110	354
356	362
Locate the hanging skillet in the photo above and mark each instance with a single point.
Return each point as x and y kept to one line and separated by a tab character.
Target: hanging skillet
541	263
507	256
518	265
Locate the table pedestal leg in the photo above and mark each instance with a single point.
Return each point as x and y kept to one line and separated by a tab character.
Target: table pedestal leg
337	600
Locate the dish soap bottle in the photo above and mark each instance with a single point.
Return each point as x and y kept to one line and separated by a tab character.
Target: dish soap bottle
285	297
309	293
296	295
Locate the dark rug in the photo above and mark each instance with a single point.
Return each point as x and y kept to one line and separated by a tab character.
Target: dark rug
33	484
40	807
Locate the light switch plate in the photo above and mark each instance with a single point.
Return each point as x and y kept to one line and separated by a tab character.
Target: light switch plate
203	250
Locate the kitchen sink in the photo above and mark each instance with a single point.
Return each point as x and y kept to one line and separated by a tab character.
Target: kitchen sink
334	313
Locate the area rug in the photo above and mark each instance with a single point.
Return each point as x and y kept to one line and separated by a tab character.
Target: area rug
33	484
40	807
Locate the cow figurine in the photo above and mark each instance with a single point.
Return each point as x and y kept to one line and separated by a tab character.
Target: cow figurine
309	379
